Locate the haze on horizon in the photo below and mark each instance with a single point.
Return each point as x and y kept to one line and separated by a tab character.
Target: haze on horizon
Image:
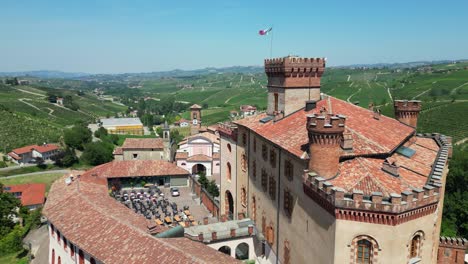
146	36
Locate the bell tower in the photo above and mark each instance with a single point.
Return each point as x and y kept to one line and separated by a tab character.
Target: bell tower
292	81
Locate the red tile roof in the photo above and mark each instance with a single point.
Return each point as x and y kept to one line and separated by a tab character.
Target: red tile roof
136	168
366	174
195	106
143	143
41	148
113	233
118	151
31	193
14	156
199	157
181	155
370	136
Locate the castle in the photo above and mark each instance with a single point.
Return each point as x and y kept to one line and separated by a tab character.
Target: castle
327	181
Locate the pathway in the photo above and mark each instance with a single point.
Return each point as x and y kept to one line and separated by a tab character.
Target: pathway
349	98
455	89
24	91
17	167
31	105
459	142
421	94
349	78
36	173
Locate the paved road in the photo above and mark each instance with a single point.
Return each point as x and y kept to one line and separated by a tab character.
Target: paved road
36	173
17	167
39	239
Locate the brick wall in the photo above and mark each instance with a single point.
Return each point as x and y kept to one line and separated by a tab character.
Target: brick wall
205	198
451	250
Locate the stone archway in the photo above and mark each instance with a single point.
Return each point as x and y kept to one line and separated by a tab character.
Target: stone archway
225	249
229	205
198	168
242	251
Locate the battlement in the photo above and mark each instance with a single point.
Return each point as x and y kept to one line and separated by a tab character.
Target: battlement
227	129
326	124
407	106
453	242
294	71
395	209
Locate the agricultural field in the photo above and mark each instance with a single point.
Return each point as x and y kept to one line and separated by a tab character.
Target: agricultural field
47	178
27	117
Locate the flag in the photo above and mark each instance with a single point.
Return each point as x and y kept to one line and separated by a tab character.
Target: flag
264	32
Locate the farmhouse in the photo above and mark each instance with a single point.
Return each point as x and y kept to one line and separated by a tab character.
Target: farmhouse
248	110
182	123
32	195
123	126
329	181
32	153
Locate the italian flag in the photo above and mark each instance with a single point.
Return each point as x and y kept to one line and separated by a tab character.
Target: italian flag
264	32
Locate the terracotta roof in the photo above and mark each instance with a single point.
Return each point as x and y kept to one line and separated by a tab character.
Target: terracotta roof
113	233
210	136
118	151
41	148
366	174
195	106
245	108
370	136
199	157
136	168
181	155
143	143
14	156
31	193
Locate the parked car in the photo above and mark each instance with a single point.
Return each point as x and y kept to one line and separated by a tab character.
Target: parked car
175	191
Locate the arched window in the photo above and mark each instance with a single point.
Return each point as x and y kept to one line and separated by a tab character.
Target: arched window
225	249
92	261
287	253
244	162
65	244
254	169
228	172
364	251
229	147
59	260
53	256
243	196
183	164
72	250
242	251
52	230
416	243
254	208
270	235
58	237
81	257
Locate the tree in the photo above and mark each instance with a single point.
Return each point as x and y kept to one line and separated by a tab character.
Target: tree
203	180
77	136
66	159
96	153
100	132
8	205
212	188
205	106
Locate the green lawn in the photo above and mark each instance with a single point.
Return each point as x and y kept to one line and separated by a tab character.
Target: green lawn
15	258
47	178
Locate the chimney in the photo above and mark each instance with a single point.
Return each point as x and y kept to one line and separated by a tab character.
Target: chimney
291	81
310	104
213	235
390	167
233	232
371	106
200	237
377	113
407	111
325	137
251	230
347	142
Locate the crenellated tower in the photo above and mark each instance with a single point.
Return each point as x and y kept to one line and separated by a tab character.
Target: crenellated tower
325	137
292	81
407	112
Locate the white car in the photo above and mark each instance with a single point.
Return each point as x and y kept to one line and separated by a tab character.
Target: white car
175	191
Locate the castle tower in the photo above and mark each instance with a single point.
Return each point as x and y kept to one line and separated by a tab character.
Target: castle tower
407	111
195	115
292	81
325	136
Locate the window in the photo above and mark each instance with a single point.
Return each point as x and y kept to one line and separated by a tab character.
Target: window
254	208
264	152
53	256
59	260
276	101
229	147
288	170
415	245
270	235
244	162
52	230
264	225
254	169
81	257
254	147
65	244
243	196
228	172
264	180
273	158
363	252
272	188
92	261
72	250
135	155
244	139
287	253
58	237
288	202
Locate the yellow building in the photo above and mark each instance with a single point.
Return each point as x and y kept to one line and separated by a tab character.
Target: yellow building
123	126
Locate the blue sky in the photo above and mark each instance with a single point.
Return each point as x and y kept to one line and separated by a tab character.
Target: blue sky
140	36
